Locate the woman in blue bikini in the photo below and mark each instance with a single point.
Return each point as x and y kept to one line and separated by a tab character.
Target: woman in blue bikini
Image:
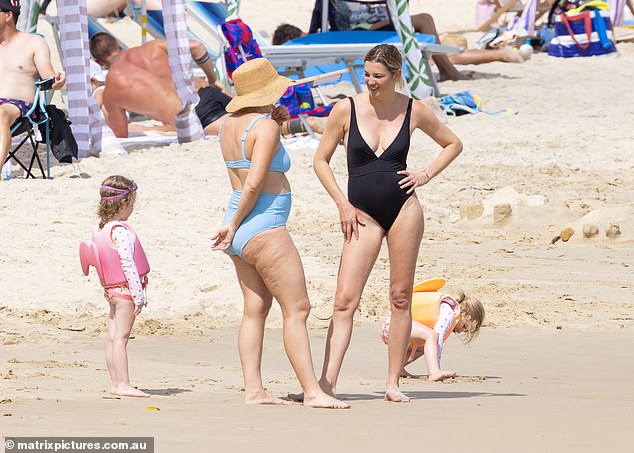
254	233
375	127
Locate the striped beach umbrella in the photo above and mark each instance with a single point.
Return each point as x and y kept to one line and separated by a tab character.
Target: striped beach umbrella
29	15
88	125
188	127
233	9
419	81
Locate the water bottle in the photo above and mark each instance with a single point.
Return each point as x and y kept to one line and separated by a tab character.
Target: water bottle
526	50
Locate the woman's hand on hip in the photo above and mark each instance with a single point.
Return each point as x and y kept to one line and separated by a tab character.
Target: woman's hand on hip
223	237
412	180
350	221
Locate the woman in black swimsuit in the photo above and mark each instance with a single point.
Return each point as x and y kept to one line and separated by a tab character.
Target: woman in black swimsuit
381	203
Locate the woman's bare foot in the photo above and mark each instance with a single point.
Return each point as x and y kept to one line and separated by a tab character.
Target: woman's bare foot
395	395
130	391
510	55
441	376
296	397
407	375
264	397
325	387
321	400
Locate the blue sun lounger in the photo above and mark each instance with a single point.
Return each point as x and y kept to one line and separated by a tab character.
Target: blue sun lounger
320	53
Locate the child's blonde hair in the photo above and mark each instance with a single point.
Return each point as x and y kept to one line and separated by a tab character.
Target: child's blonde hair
115	192
473	308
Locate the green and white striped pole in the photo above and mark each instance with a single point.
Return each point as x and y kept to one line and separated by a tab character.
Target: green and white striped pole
419	83
233	9
29	15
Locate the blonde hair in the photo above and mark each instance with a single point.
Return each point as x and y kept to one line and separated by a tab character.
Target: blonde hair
388	56
115	192
474	310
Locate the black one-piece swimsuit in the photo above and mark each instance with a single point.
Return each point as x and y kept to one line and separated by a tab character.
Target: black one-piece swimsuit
373	181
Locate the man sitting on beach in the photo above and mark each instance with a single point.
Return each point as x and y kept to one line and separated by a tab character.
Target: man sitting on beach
24	58
140	80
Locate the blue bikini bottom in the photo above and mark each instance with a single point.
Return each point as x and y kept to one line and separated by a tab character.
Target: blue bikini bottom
271	210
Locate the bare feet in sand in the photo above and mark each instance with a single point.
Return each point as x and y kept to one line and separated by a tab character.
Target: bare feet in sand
323	401
394	395
441	376
511	55
264	397
296	397
407	375
325	387
129	391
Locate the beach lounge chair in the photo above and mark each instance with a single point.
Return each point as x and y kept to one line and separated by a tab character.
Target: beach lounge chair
334	18
33	127
325	52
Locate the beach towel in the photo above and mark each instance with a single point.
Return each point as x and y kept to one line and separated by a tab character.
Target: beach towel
460	103
298	99
465	102
242	46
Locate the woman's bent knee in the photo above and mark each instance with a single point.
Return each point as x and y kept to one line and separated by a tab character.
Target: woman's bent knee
400	299
345	303
297	312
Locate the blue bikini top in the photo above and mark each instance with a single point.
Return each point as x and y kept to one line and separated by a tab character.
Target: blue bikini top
281	162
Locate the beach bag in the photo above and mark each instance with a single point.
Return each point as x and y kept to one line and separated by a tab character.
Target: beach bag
62	141
583	32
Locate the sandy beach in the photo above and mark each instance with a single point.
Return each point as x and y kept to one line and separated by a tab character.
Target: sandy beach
551	370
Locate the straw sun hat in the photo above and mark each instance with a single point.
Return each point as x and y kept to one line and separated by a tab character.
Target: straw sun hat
257	84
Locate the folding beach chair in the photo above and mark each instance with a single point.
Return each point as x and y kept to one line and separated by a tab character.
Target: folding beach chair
522	12
489	14
33	127
241	46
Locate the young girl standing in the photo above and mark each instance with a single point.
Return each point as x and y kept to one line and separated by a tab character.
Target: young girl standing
120	261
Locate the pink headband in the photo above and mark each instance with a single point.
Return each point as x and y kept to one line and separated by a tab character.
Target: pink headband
122	192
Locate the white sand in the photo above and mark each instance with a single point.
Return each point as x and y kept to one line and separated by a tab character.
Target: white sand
559	316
